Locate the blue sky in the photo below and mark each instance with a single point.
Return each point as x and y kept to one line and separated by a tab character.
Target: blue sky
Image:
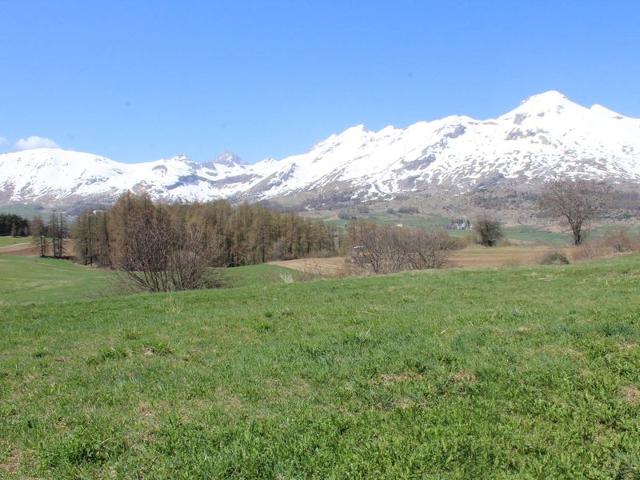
142	80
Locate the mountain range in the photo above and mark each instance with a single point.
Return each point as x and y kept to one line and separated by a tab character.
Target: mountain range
546	136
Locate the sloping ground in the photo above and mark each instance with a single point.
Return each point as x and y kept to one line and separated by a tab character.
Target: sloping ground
510	373
7	241
43	280
22	249
477	256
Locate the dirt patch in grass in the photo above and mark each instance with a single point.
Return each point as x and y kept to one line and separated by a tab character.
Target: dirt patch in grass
627	346
463	376
326	267
631	395
11	464
391	378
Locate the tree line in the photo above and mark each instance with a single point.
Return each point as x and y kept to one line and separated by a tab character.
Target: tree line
166	247
50	237
13	225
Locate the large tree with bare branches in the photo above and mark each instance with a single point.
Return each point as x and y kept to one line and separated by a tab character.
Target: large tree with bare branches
578	202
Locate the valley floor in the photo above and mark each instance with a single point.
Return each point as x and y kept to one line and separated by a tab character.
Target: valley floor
526	372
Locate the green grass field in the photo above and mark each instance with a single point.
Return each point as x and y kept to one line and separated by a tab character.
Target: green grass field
8	241
510	373
46	280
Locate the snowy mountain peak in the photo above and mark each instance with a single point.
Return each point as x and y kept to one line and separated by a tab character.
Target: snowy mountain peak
551	103
550	97
546	136
229	159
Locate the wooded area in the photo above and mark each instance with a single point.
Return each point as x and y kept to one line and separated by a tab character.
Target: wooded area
13	225
165	247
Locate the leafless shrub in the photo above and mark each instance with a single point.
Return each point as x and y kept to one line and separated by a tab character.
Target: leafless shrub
554	258
458	243
619	240
488	230
577	201
588	251
386	249
615	241
157	254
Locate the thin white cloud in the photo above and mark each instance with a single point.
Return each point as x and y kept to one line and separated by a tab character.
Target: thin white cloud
3	141
35	141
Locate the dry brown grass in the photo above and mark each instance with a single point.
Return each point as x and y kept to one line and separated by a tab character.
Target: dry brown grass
28	249
511	256
463	376
631	394
11	463
474	256
391	378
325	267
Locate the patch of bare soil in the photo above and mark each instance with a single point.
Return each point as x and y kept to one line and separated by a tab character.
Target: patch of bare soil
326	267
631	395
21	249
11	464
463	376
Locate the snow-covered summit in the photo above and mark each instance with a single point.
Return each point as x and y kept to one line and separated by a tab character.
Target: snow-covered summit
546	136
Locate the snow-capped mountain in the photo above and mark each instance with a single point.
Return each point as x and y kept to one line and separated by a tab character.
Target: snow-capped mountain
546	136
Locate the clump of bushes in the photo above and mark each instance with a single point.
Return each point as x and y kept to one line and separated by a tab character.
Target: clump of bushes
488	231
615	241
386	249
619	240
408	210
554	258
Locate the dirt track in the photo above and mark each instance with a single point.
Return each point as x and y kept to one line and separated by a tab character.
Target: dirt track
22	249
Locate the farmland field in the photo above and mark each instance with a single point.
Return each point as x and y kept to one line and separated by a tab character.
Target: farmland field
469	257
526	372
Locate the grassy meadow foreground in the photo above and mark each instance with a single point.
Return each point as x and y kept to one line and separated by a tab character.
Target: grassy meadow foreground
521	372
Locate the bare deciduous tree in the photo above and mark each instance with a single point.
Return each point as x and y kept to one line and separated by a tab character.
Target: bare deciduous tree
488	230
39	235
386	249
58	231
577	201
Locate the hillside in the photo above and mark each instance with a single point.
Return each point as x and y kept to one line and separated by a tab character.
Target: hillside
517	372
547	136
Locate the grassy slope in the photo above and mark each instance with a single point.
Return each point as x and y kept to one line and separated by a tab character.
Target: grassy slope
259	275
26	280
44	280
525	372
6	241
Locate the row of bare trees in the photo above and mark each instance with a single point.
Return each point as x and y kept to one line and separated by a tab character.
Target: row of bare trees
172	247
50	237
576	201
386	248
